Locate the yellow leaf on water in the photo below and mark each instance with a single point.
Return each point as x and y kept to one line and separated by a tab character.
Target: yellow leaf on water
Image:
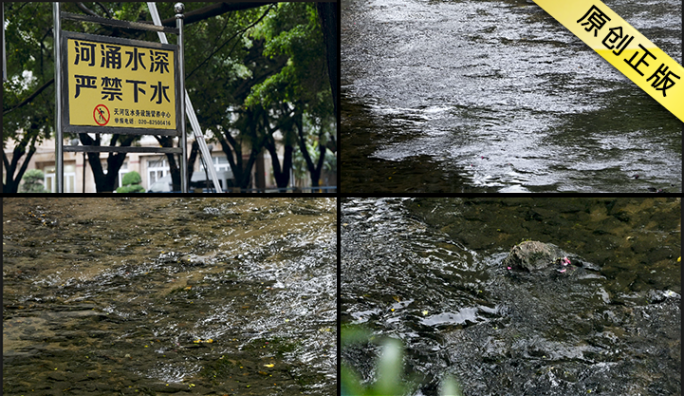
188	288
679	259
209	341
269	365
396	298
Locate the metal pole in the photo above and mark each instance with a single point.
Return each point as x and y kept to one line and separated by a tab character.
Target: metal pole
4	52
58	105
189	110
84	171
179	8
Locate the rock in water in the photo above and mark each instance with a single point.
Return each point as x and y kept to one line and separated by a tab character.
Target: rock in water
533	255
194	260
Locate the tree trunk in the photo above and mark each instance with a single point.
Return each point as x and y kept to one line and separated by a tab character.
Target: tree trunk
327	13
106	182
194	152
242	172
314	169
12	181
316	173
282	177
234	155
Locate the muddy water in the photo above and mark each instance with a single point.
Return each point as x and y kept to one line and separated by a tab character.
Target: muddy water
429	272
169	296
496	96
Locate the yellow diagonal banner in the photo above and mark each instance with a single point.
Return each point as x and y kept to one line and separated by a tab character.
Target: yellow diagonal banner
624	47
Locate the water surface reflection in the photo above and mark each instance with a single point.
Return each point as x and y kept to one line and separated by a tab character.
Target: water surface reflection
156	296
496	96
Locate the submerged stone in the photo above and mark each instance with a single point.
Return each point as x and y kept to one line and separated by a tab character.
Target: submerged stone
194	260
533	255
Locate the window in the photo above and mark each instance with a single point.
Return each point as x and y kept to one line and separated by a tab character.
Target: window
49	182
220	163
122	171
69	178
50	179
156	169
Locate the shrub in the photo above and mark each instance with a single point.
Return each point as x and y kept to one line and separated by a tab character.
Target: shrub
132	177
131	183
33	182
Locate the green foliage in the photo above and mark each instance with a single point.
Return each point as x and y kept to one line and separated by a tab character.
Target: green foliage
389	370
135	188
131	183
29	67
33	182
450	387
293	32
132	177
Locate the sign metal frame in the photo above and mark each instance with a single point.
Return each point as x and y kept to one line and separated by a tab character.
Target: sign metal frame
67	127
61	92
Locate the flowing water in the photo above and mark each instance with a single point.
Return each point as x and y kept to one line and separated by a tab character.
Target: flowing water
158	296
429	272
497	96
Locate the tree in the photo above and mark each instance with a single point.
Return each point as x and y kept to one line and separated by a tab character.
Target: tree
295	32
27	98
223	69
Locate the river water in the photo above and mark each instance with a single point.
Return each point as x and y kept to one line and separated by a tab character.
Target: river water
496	96
169	296
428	272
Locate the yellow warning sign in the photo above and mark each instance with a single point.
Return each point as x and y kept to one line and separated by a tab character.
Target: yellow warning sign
115	85
624	47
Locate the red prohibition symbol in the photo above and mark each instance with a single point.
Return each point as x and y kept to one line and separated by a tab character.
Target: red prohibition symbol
101	115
